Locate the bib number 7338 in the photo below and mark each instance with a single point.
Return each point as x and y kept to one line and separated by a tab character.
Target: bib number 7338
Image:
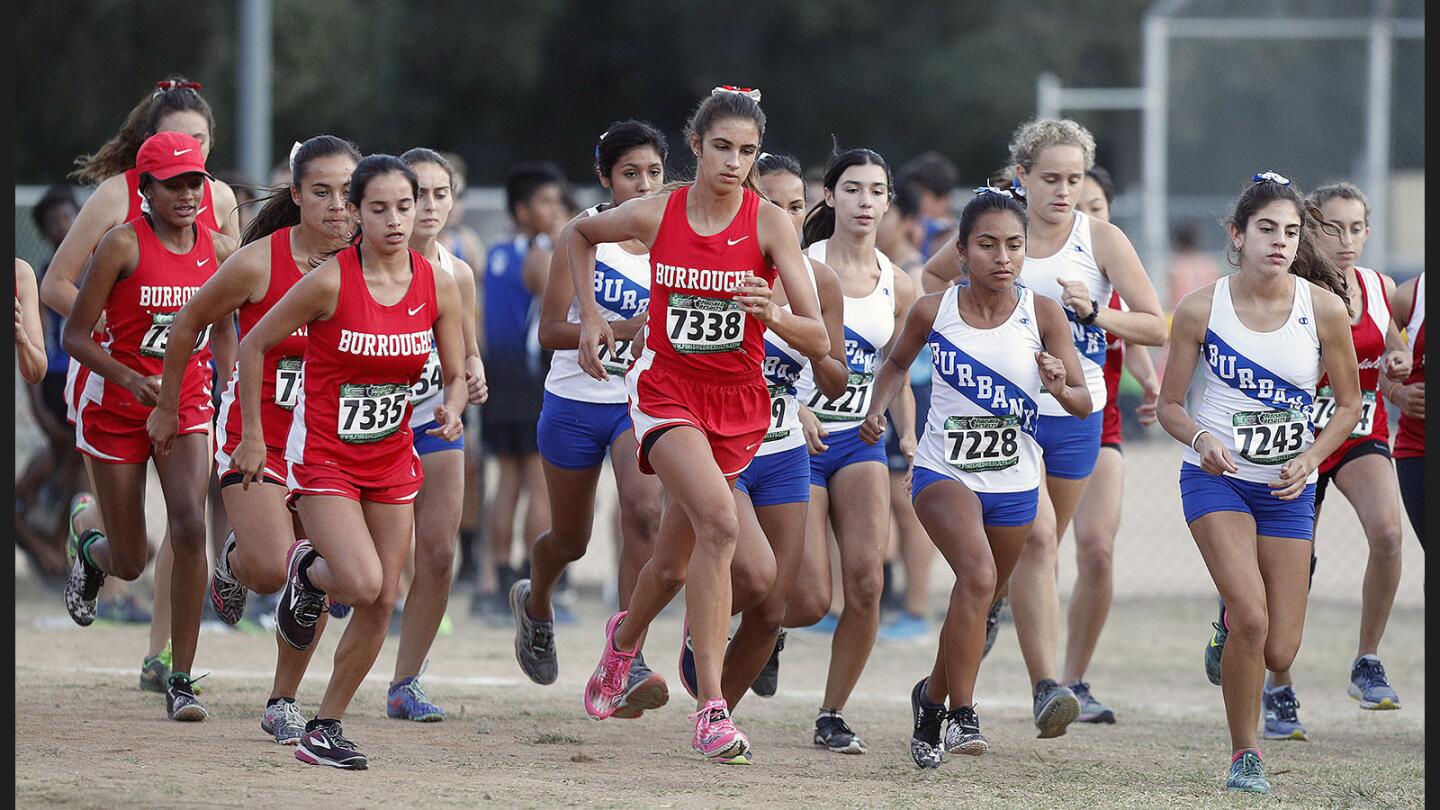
369	413
1269	437
699	325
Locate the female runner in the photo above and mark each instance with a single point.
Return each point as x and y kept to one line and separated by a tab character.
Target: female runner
142	273
29	334
994	346
1266	334
1361	467
1408	304
849	480
583	419
698	400
1097	518
372	314
174	106
1077	261
298	227
772	494
437	507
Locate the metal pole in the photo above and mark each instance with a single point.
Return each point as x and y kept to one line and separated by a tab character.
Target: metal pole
1154	156
252	113
1047	95
1377	135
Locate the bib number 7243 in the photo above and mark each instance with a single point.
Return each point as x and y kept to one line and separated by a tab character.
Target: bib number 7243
1269	437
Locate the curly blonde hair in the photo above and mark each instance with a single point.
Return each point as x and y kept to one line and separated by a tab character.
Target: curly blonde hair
1034	137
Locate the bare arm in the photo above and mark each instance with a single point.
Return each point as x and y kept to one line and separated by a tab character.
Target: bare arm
1142	367
1144	323
801	326
1337	354
29	334
227	210
102	211
903	411
895	369
475	381
636	219
830	371
115	257
1069	388
942	269
450	344
1187	333
1410	399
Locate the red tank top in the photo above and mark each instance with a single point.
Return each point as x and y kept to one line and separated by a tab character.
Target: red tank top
695	324
205	217
1114	360
1368	334
1410	439
354	408
280	385
142	305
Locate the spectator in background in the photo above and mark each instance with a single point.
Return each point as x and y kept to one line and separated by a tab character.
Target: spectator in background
53	474
933	177
533	197
900	234
457	237
1190	267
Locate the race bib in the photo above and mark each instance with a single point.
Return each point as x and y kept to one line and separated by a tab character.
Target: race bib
287	382
620	363
781	405
1269	437
430	379
1324	409
849	406
982	443
369	413
157	337
699	325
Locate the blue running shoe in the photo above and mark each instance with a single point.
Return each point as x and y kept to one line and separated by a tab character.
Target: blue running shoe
906	627
1091	710
1282	716
688	679
408	701
1247	773
1213	651
1369	685
339	611
826	625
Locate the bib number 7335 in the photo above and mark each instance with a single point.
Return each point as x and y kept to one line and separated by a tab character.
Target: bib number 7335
369	413
157	337
1269	437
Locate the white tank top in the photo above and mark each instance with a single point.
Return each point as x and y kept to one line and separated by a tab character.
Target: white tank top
782	368
622	290
869	324
984	397
1259	386
1074	261
1417	311
429	391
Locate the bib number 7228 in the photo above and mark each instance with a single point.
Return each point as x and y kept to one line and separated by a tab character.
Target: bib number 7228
982	443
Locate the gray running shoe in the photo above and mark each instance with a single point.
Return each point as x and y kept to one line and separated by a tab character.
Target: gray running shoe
769	678
647	690
227	595
1091	710
1056	707
1369	685
534	639
283	720
1281	711
180	701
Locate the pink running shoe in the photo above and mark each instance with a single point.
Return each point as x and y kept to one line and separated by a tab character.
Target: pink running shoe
607	686
716	736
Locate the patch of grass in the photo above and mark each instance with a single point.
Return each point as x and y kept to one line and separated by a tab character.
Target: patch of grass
551	738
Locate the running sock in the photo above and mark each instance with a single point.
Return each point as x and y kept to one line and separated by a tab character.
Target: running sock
1271	690
1243	751
835	713
304	569
87	540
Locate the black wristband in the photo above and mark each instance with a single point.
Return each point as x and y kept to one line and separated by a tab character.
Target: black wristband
1094	313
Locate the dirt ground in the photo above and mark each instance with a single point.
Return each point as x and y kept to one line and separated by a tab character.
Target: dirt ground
87	738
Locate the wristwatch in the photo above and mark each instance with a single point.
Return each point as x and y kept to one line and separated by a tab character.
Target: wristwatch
1094	313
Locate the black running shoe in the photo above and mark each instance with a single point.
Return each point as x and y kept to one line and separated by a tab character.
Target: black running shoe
962	734
1056	707
832	732
925	747
299	607
769	678
992	625
646	690
82	587
180	701
325	744
227	595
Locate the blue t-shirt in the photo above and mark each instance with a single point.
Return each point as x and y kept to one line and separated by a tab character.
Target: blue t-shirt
510	311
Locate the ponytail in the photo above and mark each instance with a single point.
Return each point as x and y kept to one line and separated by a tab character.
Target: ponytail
278	209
